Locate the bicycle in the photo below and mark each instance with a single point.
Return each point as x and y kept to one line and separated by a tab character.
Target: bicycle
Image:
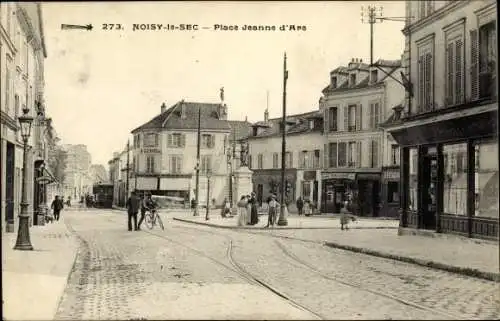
151	218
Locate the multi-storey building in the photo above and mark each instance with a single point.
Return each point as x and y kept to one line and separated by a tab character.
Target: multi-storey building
447	129
22	54
304	144
164	157
78	180
119	167
357	99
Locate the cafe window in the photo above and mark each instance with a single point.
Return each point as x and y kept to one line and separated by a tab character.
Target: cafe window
393	192
455	179
413	200
486	179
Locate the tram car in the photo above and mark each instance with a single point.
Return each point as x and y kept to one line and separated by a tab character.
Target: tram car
103	195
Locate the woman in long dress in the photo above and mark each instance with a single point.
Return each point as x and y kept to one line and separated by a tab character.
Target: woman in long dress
242	211
249	211
254	213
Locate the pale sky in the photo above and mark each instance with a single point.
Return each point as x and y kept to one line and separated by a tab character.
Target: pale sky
102	84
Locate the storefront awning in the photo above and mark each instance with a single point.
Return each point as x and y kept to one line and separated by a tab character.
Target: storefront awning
338	175
47	177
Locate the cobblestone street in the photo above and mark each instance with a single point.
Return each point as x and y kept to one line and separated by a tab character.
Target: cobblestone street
191	272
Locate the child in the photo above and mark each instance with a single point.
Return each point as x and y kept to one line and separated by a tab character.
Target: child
345	216
272	211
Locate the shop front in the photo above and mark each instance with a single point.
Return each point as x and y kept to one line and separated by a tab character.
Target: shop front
449	173
390	192
309	186
336	186
268	181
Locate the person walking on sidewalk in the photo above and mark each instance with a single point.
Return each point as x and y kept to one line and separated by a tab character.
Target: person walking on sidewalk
57	206
300	205
273	208
133	204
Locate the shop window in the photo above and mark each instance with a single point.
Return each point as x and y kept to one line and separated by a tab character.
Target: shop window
455	179
393	192
486	179
306	189
413	201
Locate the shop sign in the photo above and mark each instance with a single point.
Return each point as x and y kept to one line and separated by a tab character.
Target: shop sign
391	175
150	151
368	176
44	179
350	176
309	175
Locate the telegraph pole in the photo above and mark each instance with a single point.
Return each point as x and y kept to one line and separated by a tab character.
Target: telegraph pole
282	221
128	168
198	142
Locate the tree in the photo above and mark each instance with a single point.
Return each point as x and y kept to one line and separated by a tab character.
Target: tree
57	161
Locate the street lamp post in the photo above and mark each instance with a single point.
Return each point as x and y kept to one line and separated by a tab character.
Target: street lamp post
207	217
282	220
23	241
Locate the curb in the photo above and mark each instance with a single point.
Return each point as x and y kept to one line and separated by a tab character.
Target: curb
490	276
282	228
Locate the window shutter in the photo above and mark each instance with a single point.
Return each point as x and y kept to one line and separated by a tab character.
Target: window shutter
375	153
327	121
421	83
428	81
156	139
376	115
358	154
474	70
326	164
459	92
212	141
346	118
179	164
183	140
370	154
358	117
170	140
450	74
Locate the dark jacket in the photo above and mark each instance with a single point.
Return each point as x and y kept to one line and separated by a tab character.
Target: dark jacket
133	204
57	205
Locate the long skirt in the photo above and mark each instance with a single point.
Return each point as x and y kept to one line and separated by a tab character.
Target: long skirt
248	215
242	216
255	215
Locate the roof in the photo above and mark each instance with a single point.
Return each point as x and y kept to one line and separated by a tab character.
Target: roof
388	63
239	129
171	118
299	123
392	120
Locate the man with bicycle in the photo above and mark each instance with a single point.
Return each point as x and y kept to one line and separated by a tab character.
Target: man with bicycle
147	204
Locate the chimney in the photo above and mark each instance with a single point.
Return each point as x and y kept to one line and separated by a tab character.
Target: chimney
352	59
266	116
360	60
246	118
163	108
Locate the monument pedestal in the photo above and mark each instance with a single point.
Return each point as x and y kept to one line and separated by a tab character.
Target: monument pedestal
242	185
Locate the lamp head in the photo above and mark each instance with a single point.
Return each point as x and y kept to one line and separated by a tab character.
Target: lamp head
25	121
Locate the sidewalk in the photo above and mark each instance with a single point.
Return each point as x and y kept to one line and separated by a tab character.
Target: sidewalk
472	257
34	281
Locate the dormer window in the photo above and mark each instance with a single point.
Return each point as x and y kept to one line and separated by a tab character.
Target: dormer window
353	79
334	82
311	124
374	76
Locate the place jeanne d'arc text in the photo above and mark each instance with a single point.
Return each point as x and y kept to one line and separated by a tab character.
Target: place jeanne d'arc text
195	27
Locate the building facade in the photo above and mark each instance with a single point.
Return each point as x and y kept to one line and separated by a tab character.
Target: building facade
357	99
304	145
447	129
22	54
164	152
119	167
78	179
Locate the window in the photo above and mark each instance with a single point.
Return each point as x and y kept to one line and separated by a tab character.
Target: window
316	158
134	164
332	118
425	77
413	202
16	105
395	154
304	159
260	161
176	140
455	179
342	161
207	141
311	124
334	82
7	86
289	160
358	154
332	156
374	154
350	118
374	76
306	189
454	70
136	140
276	160
151	140
486	179
175	164
392	192
483	53
374	115
426	7
351	154
150	164
206	164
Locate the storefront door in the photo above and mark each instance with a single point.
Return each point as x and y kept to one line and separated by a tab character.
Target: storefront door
328	197
429	189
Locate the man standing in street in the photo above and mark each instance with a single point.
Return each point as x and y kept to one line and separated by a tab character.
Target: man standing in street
57	206
133	204
300	205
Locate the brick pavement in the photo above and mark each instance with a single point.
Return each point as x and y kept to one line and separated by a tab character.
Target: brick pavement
36	278
378	237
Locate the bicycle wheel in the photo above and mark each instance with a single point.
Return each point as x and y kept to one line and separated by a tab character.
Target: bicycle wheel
149	221
160	222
